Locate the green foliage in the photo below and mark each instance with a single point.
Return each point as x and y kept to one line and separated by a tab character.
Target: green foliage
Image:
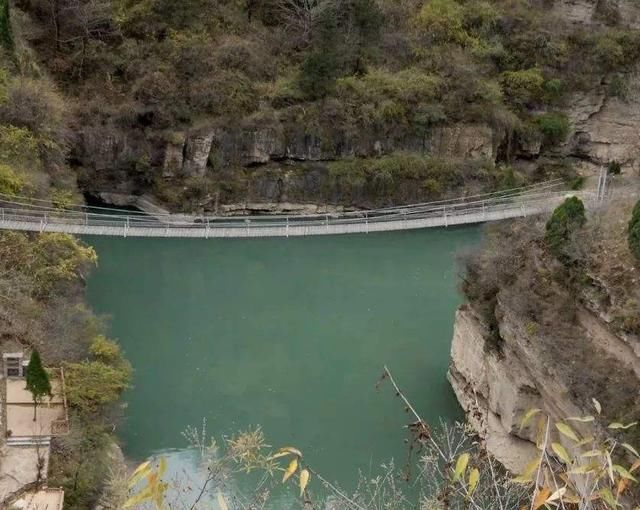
10	182
554	127
619	87
522	87
37	380
565	221
94	383
50	260
18	147
442	21
614	168
634	231
6	34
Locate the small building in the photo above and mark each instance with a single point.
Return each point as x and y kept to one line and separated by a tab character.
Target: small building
51	413
14	364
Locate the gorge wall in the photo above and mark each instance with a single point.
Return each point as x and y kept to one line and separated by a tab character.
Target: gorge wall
551	345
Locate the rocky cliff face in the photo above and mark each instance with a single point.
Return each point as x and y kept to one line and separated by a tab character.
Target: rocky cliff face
557	364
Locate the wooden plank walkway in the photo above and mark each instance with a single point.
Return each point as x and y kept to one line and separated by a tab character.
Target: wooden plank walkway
438	214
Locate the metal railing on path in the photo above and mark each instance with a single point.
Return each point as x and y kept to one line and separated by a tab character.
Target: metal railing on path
20	213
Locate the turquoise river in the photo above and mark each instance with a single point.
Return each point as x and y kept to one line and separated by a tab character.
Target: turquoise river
289	334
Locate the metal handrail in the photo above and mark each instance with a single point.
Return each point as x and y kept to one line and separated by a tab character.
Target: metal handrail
44	217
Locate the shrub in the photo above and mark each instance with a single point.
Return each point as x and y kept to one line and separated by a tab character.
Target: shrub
522	87
554	127
634	231
442	22
614	167
567	219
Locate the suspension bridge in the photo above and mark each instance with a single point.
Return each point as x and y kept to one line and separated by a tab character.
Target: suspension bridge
21	213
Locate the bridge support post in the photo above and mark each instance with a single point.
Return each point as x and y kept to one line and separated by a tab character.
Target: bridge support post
524	211
484	211
366	222
286	229
86	219
444	213
326	222
206	232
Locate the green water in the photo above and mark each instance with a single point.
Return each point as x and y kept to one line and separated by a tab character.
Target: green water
290	334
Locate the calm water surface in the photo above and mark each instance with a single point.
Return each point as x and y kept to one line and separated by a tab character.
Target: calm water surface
289	334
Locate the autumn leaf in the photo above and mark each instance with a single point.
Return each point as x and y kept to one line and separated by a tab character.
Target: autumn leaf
474	478
541	497
461	465
561	452
567	431
141	471
293	465
616	425
528	415
304	480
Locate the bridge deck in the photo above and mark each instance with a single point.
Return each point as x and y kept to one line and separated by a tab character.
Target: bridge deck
21	216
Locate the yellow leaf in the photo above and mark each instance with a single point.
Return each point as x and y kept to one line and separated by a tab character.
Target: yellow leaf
528	415
585	441
304	480
630	448
584	469
141	471
557	494
527	474
623	472
461	465
561	452
610	466
293	465
222	502
582	419
634	466
474	478
144	495
290	449
591	453
541	497
616	425
162	466
278	455
567	431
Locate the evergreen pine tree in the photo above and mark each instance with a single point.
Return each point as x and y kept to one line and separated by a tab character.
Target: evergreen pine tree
6	35
37	380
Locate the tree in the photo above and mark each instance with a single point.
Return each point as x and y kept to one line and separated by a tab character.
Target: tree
634	231
37	380
6	35
567	218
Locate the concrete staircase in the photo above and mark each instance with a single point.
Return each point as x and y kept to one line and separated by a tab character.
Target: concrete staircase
42	441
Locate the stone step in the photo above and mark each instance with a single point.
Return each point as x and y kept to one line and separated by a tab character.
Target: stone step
29	441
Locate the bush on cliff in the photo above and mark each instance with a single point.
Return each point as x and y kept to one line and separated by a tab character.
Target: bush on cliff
565	221
634	231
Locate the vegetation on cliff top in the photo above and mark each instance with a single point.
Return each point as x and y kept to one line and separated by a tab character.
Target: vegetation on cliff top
383	69
518	277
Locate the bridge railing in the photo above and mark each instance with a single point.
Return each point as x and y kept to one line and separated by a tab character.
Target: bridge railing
481	206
